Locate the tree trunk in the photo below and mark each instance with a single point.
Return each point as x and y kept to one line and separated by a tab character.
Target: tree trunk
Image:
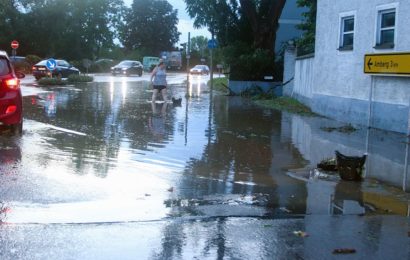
264	23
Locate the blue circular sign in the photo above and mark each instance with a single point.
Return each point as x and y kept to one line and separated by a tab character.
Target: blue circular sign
51	64
212	44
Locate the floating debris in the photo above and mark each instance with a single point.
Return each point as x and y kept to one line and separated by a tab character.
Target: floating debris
342	129
284	209
171	189
328	164
300	233
344	251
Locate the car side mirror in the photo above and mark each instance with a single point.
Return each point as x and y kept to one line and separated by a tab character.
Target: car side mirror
20	75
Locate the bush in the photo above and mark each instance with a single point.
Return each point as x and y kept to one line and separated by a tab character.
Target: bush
220	84
33	59
79	78
102	65
51	82
247	64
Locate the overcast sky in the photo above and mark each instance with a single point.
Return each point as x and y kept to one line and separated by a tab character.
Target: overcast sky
185	24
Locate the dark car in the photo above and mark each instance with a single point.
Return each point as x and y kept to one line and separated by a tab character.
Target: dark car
200	70
11	108
62	70
127	68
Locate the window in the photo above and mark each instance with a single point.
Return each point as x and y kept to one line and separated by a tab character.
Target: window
347	33
4	67
386	28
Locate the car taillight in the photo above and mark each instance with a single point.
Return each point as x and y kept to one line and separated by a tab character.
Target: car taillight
11	109
12	83
33	68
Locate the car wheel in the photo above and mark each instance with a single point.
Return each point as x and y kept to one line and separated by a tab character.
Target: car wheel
17	129
37	77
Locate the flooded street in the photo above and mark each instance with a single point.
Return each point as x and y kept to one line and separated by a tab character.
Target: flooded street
102	153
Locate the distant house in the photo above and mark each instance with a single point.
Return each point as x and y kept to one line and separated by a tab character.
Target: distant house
333	82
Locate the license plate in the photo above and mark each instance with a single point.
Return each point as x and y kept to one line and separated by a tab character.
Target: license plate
41	69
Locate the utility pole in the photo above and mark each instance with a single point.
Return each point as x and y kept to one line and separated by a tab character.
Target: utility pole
188	56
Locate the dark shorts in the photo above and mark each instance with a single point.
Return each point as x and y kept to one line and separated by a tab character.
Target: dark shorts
159	87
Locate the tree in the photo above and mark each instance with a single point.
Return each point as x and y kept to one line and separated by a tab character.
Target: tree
306	44
199	45
74	29
259	17
246	29
150	25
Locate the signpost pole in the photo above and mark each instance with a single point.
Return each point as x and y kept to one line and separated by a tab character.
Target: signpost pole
406	159
370	113
188	50
212	65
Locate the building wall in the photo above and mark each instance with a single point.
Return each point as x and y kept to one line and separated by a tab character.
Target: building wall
304	79
340	88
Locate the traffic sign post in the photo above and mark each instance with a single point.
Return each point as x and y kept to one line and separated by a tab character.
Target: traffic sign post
384	64
212	44
387	64
51	65
14	45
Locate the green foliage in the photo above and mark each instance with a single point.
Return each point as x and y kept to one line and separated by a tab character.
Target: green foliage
306	44
51	82
102	65
220	84
151	24
80	78
246	32
288	104
33	59
74	29
249	64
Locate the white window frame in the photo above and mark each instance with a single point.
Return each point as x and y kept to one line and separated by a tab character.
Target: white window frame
380	10
343	32
342	17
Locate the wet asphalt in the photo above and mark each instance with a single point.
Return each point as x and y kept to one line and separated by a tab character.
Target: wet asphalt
102	173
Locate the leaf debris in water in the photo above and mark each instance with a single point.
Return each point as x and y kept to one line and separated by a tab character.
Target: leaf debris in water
344	251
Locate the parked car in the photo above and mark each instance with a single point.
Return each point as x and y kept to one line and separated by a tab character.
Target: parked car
62	70
200	70
11	104
150	63
127	68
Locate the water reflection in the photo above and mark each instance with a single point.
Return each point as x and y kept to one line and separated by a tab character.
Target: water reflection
222	150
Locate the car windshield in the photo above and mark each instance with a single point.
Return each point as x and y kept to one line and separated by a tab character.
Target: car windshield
200	67
126	63
63	63
4	67
42	63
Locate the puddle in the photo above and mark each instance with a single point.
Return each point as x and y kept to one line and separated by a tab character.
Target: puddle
107	143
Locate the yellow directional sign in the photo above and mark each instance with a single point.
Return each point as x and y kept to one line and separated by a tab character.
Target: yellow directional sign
387	63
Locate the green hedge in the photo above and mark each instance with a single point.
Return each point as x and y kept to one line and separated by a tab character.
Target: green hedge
51	82
80	78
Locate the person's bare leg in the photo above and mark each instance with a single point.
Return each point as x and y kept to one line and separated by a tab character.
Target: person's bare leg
164	95
154	95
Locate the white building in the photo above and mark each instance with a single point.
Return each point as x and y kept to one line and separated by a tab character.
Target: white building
333	82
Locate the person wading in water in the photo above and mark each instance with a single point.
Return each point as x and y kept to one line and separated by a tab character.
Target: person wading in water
159	82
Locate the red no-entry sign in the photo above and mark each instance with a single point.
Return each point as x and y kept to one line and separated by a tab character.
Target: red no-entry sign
14	44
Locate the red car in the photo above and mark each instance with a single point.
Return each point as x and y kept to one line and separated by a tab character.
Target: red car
11	104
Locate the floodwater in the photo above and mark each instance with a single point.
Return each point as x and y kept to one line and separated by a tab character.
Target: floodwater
101	152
